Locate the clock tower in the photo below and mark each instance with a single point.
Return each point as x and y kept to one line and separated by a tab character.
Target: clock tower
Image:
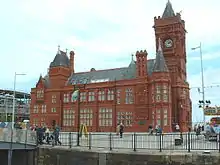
170	28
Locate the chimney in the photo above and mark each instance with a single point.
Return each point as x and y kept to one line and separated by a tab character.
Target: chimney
72	62
141	63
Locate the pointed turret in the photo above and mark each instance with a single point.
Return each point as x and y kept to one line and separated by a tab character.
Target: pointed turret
132	61
160	63
168	12
61	59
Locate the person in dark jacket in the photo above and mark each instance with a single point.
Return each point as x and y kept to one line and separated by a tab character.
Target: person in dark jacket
121	130
56	135
40	134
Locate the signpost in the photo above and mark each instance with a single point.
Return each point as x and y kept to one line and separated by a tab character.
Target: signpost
212	111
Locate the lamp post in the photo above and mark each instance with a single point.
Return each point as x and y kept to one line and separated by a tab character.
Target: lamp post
12	123
13	108
202	74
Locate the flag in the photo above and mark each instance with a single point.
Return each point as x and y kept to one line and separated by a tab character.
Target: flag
75	95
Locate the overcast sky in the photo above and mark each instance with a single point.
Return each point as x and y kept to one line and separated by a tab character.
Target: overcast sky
108	30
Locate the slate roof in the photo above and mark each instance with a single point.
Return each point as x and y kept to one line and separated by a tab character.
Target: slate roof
124	73
46	81
61	59
168	12
160	63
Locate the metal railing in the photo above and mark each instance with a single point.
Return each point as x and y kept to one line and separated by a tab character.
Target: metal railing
130	141
142	141
20	136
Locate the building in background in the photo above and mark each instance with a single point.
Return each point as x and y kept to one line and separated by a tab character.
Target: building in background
22	105
146	92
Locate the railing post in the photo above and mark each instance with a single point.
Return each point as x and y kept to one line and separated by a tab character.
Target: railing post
218	142
70	140
134	141
90	140
26	133
160	141
36	137
78	138
110	141
189	141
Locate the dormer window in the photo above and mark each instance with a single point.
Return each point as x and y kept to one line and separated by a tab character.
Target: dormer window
40	93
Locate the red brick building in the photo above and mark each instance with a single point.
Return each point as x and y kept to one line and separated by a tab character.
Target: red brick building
147	91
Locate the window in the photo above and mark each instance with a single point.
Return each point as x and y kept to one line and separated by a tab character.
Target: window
158	98
42	122
86	116
158	114
40	93
165	93
184	92
165	117
91	96
153	99
35	121
158	89
66	97
165	89
129	96
105	117
101	95
125	117
153	118
36	109
44	109
118	96
110	94
82	96
68	117
54	99
53	110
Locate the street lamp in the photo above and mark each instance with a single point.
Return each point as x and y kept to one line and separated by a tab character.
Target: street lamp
13	116
202	74
13	108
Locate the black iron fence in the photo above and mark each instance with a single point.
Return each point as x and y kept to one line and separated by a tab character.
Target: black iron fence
142	141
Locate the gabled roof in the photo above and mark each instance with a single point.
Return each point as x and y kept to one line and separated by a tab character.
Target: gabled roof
45	80
160	63
168	11
124	73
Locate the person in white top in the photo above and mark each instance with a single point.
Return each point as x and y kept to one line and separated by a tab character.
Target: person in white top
177	127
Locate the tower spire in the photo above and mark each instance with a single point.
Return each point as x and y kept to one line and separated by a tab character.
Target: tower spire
160	63
168	11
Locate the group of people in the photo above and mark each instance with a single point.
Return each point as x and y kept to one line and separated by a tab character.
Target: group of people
157	130
44	134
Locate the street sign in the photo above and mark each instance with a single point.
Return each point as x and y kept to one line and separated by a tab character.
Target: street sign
212	111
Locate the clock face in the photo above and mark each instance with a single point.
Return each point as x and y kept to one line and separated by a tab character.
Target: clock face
168	43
